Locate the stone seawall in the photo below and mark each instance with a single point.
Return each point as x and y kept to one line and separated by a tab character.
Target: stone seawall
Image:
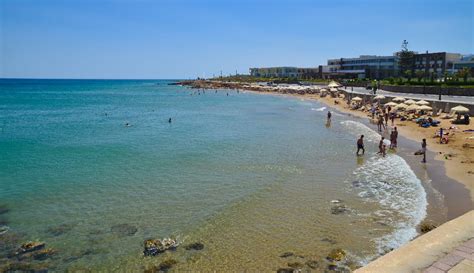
436	104
450	91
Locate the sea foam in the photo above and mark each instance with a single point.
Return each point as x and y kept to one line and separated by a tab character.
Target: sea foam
392	183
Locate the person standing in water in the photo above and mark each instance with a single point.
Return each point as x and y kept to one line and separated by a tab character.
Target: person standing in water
381	147
423	150
393	138
329	116
169	120
360	145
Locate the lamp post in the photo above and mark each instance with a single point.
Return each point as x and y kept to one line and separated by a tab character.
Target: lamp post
439	94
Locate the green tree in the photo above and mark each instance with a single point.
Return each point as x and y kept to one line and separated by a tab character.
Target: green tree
420	74
408	73
464	73
405	58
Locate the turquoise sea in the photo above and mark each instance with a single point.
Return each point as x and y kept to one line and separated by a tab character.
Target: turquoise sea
250	176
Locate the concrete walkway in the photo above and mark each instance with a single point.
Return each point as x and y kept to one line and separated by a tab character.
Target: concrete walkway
448	248
461	259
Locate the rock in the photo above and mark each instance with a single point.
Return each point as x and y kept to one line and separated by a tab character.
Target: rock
426	227
153	247
336	255
44	254
296	265
29	247
195	246
328	240
4	229
312	264
356	184
286	254
285	270
124	229
59	230
339	209
167	265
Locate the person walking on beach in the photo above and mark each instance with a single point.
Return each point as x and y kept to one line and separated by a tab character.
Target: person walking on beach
381	147
380	122
386	117
392	118
441	135
393	138
423	150
360	145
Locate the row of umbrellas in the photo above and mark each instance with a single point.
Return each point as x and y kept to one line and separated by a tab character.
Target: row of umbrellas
411	105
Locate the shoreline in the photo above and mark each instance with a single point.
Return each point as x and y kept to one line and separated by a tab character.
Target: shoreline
452	160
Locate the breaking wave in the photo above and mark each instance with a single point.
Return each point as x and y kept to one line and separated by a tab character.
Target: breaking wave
392	183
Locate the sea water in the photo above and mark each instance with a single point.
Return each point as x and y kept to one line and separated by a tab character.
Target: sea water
94	167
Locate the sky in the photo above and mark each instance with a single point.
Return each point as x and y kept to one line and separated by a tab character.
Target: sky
181	39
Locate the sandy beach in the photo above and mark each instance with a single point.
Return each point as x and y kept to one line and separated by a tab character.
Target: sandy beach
457	155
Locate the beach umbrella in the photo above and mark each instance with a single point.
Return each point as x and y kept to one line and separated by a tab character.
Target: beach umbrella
398	99
422	102
460	109
424	108
379	97
334	84
411	107
401	106
409	102
392	104
356	99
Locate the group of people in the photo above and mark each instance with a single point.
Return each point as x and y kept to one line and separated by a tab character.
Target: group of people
393	136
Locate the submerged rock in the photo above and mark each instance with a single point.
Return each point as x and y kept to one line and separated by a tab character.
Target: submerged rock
153	247
336	255
329	240
59	230
339	209
287	254
29	247
285	270
4	229
44	254
195	246
167	265
124	229
296	265
426	227
312	264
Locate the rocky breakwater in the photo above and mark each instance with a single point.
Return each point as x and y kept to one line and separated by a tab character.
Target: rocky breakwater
282	89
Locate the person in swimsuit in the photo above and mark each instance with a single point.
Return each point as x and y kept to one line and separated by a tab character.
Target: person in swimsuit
360	145
423	150
393	138
329	116
381	144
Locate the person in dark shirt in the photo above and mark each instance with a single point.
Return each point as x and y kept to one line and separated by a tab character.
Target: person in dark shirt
360	145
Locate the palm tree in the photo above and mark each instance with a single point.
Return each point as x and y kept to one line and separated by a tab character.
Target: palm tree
464	73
